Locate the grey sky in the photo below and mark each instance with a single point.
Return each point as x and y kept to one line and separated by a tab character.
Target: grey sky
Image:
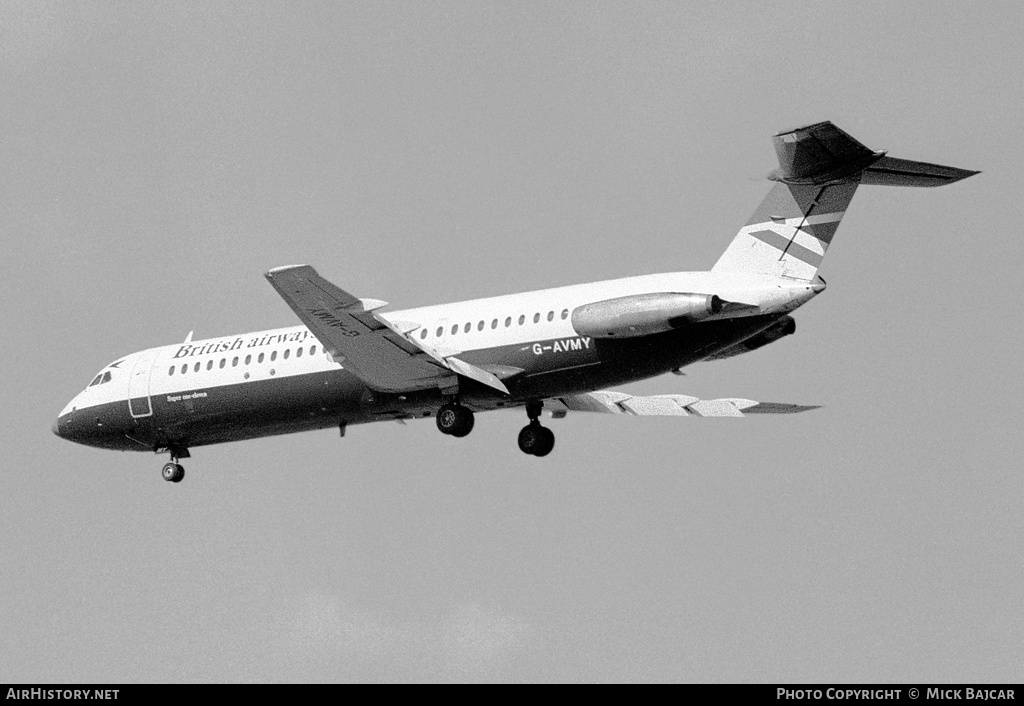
156	159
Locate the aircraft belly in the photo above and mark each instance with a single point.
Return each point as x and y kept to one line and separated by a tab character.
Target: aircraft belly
561	366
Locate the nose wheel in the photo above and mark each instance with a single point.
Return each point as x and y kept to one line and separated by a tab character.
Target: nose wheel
534	439
173	472
455	420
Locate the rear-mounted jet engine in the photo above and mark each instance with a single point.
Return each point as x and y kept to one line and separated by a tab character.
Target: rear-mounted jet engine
643	314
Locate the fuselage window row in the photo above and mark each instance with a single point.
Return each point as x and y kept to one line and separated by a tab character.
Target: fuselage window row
105	377
300	351
468	326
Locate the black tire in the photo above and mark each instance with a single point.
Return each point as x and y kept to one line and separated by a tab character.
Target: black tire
466	423
455	420
547	442
531	438
179	475
169	471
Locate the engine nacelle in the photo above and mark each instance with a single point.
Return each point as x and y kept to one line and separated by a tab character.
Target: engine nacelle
643	314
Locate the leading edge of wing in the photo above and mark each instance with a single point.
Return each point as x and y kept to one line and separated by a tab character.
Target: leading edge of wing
611	402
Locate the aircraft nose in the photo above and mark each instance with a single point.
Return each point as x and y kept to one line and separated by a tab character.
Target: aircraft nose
55	427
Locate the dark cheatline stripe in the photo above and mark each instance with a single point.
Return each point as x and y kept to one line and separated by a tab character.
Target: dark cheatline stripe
780	243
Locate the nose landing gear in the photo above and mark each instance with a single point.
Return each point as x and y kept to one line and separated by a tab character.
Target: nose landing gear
173	472
534	439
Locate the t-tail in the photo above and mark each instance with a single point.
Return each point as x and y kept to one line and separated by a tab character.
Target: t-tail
820	168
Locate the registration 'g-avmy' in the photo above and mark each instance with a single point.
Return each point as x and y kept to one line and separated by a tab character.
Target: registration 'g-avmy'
552	349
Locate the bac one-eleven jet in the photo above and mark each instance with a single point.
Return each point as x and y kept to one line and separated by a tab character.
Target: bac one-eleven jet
554	349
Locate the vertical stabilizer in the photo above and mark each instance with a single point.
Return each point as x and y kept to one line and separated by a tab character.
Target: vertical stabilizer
820	168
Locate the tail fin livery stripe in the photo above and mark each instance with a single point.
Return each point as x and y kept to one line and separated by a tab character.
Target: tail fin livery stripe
787	247
795	234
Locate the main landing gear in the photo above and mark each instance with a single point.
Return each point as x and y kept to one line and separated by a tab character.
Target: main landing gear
535	439
455	420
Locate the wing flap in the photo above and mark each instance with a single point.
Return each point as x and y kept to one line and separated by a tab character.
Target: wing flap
655	406
473	372
611	402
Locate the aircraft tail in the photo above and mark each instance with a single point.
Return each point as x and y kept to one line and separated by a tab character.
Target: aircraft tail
820	168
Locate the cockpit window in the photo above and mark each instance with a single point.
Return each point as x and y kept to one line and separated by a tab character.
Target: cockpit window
100	379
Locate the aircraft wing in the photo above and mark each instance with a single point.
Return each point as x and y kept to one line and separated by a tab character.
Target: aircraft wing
611	402
377	351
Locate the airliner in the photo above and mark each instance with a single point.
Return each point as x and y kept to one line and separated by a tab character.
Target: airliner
553	350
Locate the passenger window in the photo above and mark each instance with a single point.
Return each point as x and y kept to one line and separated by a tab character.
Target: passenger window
508	322
565	313
248	359
209	365
423	334
273	355
480	326
184	369
494	324
171	370
536	318
312	349
260	359
195	369
551	316
440	330
522	319
287	352
468	327
222	362
455	329
234	362
298	352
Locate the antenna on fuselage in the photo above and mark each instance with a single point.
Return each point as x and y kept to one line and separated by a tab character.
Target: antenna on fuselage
188	338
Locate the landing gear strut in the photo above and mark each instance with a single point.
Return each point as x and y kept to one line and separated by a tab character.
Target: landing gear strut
535	439
454	419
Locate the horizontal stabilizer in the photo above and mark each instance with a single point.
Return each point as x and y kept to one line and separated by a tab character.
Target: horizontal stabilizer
609	402
890	171
820	154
